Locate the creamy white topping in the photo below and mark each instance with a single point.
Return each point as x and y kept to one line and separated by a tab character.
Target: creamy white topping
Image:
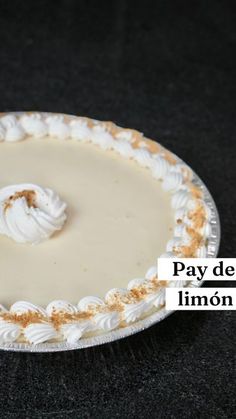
107	321
101	137
172	181
180	199
61	306
160	167
89	302
9	332
123	148
144	158
125	135
29	213
132	312
23	307
72	332
80	130
37	333
13	130
157	299
34	125
57	127
111	294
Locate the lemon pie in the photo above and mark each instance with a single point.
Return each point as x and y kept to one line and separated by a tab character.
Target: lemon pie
86	208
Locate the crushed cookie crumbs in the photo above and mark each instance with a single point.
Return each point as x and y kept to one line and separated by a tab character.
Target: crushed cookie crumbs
24	319
29	195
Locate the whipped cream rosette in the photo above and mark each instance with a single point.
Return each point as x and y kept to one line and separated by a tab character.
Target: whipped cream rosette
29	213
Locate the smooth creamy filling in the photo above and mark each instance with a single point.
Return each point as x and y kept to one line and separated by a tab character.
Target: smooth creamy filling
119	221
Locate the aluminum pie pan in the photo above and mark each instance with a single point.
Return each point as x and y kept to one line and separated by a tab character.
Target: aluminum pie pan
139	326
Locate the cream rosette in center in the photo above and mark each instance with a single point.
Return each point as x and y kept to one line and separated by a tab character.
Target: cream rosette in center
30	213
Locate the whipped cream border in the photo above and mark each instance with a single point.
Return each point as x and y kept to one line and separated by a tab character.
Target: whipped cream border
63	321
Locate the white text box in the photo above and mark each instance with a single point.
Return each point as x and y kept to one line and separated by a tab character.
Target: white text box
201	298
207	269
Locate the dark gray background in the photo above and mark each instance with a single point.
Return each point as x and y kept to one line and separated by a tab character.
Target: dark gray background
166	68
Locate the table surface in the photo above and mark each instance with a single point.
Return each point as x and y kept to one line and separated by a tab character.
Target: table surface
168	69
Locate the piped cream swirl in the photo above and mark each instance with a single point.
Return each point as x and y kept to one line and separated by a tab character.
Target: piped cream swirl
29	213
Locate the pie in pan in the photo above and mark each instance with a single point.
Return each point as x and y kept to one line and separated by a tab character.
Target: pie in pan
86	207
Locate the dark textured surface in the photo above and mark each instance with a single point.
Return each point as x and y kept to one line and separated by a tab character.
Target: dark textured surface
168	69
